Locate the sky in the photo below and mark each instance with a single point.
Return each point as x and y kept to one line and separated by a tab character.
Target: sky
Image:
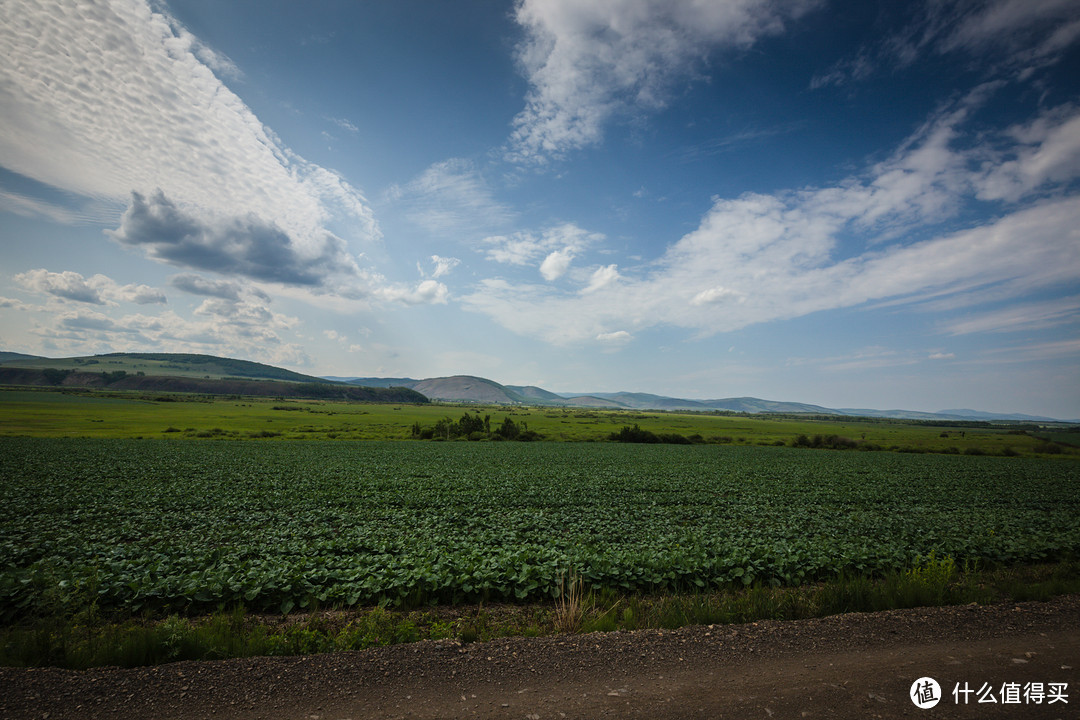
848	203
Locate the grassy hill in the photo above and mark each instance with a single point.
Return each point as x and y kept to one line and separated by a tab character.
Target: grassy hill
186	373
161	364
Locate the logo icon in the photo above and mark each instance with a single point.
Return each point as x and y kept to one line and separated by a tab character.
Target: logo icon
925	693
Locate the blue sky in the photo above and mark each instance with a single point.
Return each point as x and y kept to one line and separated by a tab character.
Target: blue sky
853	204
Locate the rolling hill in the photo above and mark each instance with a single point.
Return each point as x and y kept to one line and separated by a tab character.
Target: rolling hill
185	373
470	389
161	364
209	374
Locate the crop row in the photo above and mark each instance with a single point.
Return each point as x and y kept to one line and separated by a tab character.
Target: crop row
180	525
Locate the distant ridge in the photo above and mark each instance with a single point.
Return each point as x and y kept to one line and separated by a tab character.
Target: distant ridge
471	389
164	372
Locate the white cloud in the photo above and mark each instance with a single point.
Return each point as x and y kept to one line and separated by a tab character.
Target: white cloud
525	248
588	61
96	290
13	304
717	294
602	277
449	198
427	292
619	336
443	265
1047	150
556	264
757	258
125	100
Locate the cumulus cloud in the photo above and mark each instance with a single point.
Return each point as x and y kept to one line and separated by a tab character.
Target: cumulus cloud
96	290
246	245
556	264
587	62
198	285
427	292
126	100
12	303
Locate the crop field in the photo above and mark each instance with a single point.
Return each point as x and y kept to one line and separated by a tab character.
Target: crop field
189	525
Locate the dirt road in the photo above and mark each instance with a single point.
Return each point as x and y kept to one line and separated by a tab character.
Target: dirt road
849	666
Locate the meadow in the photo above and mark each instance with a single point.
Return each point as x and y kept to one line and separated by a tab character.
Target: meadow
103	414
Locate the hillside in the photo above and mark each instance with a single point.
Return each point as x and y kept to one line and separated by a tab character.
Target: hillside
186	373
161	364
180	372
466	388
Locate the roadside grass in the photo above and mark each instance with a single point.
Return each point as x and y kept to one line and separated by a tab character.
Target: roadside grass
118	414
87	639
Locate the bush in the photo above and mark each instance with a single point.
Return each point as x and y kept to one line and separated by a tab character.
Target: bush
633	435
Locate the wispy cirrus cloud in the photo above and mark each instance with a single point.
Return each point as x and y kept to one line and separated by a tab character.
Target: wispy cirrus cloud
1016	36
451	198
1024	317
587	63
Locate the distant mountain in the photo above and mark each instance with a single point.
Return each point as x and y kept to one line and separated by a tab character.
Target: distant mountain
468	388
163	372
533	393
898	414
977	415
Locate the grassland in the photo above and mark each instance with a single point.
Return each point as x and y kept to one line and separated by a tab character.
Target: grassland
100	414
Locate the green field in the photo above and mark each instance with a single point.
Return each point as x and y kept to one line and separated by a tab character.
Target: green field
102	414
187	525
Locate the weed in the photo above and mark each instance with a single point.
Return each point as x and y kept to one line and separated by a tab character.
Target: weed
569	605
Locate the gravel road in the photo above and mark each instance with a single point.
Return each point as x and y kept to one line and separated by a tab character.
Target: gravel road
860	665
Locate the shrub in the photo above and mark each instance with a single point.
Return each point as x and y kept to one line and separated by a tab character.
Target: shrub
633	435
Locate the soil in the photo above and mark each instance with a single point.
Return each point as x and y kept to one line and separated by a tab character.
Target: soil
859	665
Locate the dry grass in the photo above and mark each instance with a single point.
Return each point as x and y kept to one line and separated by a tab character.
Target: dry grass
570	605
